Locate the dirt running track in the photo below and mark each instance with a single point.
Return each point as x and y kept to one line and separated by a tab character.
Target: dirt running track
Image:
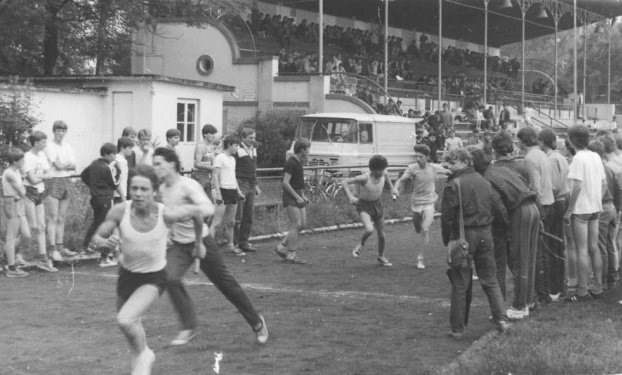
336	315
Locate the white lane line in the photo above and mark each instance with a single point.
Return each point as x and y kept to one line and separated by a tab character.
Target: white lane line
321	293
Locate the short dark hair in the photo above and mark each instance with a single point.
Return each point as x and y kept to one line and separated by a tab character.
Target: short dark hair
246	132
36	136
107	149
569	147
124	142
422	149
502	143
528	136
480	161
170	156
579	135
13	155
432	134
147	171
608	142
301	144
548	138
230	140
172	133
597	147
209	129
128	131
59	124
378	163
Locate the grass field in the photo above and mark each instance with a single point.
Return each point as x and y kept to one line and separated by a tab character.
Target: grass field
336	315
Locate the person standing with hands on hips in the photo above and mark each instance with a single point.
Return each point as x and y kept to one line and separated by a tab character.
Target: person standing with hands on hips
204	155
246	174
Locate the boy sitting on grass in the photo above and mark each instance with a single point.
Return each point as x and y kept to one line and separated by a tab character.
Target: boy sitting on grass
369	203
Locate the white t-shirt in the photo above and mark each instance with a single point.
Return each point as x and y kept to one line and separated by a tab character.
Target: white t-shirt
185	191
587	167
62	154
120	162
226	164
37	163
139	155
453	143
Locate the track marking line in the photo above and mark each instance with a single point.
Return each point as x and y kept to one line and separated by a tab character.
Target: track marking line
445	302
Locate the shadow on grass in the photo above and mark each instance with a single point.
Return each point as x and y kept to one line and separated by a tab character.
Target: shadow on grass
563	338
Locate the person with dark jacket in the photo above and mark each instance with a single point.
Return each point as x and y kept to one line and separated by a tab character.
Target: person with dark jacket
430	141
102	183
504	117
516	243
479	201
246	174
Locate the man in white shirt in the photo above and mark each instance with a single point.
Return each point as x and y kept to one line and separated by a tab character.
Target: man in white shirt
124	150
452	142
144	151
62	160
588	181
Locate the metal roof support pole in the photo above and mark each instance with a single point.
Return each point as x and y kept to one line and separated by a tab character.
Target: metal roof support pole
555	68
522	64
584	71
440	48
485	51
321	58
574	54
609	64
386	50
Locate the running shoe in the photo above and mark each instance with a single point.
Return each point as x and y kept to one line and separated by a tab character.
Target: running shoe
44	263
281	251
515	314
357	250
235	252
20	261
184	337
56	256
17	273
384	262
293	258
66	253
107	262
555	297
596	295
262	332
420	264
503	326
455	335
247	248
578	298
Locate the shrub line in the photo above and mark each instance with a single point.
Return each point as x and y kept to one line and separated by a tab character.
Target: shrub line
332	228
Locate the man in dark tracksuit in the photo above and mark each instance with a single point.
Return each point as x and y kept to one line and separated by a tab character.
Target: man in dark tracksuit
246	174
478	203
99	178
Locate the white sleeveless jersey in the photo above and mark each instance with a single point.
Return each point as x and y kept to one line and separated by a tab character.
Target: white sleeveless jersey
143	252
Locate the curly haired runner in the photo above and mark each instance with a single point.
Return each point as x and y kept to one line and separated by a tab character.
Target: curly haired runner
369	203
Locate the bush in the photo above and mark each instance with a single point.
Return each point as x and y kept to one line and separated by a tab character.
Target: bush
17	116
275	132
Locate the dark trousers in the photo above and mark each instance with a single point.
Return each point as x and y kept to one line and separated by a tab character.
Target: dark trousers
101	206
500	238
482	253
179	258
606	238
244	214
523	241
542	270
553	255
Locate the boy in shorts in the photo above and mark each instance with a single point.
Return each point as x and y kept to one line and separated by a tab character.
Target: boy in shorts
62	160
423	176
14	195
294	201
369	203
36	169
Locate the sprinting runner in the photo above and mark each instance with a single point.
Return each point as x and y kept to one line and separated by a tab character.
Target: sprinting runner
142	274
36	169
190	238
423	176
294	201
369	203
14	196
62	160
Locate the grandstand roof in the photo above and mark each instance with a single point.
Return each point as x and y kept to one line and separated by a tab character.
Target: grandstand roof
464	19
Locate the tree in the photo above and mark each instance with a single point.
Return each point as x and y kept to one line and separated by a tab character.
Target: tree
17	116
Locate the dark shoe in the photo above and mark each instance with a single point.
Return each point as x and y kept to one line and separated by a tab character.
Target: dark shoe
545	299
247	248
578	298
455	335
596	295
503	326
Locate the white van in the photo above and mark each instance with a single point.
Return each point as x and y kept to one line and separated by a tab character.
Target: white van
350	139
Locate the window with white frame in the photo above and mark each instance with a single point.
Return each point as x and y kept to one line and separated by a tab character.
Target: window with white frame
187	119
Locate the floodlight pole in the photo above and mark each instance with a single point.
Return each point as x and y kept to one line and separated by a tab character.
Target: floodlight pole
609	64
485	51
555	69
522	64
440	48
584	71
321	58
386	51
574	53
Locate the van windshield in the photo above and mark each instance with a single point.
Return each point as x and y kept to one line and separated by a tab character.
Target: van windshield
328	130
